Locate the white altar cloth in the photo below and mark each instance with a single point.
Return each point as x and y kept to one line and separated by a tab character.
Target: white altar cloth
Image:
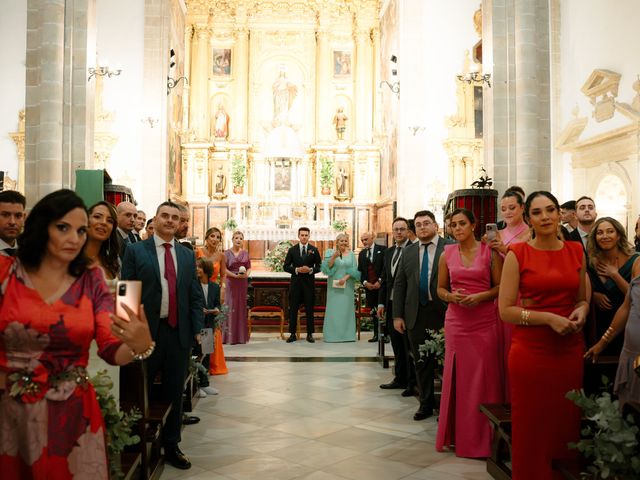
263	232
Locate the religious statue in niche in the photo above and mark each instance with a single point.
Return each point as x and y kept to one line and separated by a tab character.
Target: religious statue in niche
221	126
341	183
340	121
222	61
341	63
284	93
220	186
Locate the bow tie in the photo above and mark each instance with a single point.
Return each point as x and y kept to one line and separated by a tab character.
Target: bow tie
10	252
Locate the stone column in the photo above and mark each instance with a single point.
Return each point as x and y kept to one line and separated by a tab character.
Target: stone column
59	101
188	34
375	97
199	108
526	95
324	114
239	124
363	92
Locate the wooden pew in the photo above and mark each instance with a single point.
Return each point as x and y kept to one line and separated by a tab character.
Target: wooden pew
498	464
133	393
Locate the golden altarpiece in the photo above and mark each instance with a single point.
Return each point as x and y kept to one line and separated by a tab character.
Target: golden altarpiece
277	121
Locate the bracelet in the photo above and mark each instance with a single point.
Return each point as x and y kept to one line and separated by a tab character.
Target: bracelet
608	335
524	317
146	354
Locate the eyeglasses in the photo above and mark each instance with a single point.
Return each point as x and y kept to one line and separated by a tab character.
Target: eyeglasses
401	229
424	224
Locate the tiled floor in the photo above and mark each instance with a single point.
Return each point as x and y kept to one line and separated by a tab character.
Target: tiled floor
316	420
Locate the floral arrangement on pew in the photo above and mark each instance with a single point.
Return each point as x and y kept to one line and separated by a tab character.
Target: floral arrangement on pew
220	320
610	439
274	259
118	424
433	345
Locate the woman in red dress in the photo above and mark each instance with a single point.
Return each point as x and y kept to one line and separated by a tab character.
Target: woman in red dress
542	292
52	305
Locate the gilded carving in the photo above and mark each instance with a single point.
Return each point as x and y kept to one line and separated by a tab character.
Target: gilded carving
602	87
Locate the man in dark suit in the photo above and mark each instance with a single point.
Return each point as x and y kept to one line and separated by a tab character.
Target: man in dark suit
127	214
183	227
174	302
403	369
586	213
302	262
370	260
416	305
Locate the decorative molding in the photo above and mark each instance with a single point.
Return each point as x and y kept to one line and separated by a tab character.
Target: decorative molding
602	84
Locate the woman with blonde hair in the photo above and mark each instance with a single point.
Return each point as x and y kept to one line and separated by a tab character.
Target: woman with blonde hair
238	267
212	251
340	266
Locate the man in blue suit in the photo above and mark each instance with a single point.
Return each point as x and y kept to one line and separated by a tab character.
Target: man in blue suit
174	302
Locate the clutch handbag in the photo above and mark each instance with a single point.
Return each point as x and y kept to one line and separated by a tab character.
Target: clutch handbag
336	284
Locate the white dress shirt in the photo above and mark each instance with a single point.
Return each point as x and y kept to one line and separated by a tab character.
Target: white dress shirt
160	250
431	245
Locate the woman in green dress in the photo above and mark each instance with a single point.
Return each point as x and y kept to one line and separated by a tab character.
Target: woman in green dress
340	316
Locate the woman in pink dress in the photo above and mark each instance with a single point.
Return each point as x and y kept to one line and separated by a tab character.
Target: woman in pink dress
516	231
468	279
238	266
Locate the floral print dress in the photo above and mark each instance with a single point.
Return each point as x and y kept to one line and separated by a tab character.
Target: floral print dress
50	421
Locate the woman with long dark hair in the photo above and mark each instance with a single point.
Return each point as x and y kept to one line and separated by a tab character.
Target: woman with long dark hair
103	243
542	292
52	305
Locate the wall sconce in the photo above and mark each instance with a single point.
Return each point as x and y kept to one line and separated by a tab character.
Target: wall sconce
151	121
394	87
171	83
103	71
475	77
415	129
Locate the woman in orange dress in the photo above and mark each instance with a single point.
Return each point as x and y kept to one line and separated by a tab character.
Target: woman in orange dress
52	305
212	251
542	292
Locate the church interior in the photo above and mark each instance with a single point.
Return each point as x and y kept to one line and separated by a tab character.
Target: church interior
265	116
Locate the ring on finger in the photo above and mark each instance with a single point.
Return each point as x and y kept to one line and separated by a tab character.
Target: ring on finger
121	331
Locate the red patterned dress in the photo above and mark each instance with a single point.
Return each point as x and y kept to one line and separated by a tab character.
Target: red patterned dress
50	421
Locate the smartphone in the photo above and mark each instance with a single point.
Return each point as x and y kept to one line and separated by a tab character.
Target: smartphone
491	229
129	293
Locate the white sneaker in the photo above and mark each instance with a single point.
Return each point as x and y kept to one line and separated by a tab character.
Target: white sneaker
202	393
209	390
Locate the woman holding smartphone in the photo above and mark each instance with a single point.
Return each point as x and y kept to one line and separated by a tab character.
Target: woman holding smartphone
468	279
52	305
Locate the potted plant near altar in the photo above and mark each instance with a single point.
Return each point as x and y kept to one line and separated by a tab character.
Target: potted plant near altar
230	224
238	174
610	440
326	175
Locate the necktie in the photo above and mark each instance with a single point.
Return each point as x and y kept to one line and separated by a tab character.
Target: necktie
11	252
424	276
304	250
170	275
396	254
371	254
132	238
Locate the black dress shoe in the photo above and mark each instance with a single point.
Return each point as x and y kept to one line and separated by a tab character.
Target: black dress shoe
175	458
373	339
392	385
190	420
310	339
292	338
423	413
409	392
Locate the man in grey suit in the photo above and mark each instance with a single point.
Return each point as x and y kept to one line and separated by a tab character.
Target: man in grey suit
416	306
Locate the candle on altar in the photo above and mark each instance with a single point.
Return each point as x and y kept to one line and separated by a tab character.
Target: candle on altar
326	212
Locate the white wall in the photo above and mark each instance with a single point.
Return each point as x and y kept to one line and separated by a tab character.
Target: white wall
13	38
594	34
120	40
433	38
